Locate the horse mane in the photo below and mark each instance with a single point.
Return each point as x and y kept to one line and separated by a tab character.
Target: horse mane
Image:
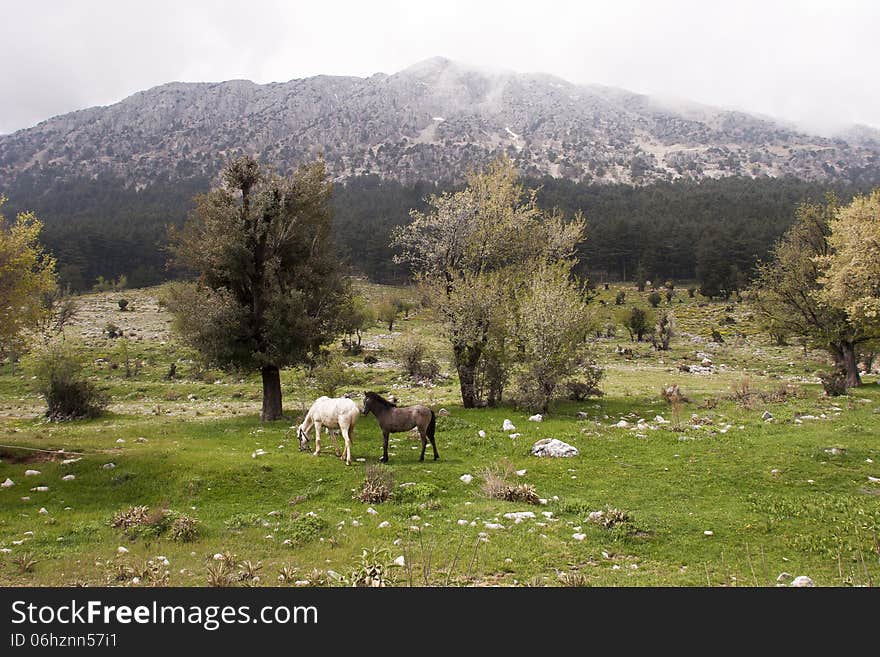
377	397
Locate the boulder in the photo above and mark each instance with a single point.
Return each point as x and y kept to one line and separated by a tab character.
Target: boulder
554	448
443	413
802	581
536	418
507	425
766	415
8	483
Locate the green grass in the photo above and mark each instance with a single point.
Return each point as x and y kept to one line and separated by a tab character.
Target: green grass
817	515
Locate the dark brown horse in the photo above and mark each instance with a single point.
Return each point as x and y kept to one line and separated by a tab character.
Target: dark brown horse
393	420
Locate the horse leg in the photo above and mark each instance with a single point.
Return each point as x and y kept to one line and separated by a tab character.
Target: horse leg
432	427
424	443
317	438
346	437
384	458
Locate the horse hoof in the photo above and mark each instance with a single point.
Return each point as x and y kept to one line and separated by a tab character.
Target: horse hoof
436	458
384	459
421	458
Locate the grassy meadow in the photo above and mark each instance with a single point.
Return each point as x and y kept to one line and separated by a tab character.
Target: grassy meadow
710	493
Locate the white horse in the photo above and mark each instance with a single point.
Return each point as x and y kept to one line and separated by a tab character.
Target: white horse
339	413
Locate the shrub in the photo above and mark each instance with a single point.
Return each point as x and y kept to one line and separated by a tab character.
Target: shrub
377	486
586	384
664	331
654	299
370	359
609	517
60	380
329	376
717	337
497	487
692	291
673	394
306	528
834	382
112	330
637	322
411	352
130	517
620	298
416	493
184	528
123	304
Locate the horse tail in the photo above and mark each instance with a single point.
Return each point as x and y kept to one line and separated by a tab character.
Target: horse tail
432	425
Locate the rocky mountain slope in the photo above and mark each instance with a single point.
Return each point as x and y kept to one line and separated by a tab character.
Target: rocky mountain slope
432	121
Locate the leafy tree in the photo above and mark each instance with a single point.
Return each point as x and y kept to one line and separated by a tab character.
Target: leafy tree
788	291
472	248
551	330
27	280
664	331
637	322
356	318
654	299
269	291
850	273
387	312
641	276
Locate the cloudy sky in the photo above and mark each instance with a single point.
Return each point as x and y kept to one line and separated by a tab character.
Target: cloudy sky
808	61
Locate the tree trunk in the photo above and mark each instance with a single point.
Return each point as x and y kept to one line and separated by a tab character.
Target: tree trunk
849	362
271	394
466	364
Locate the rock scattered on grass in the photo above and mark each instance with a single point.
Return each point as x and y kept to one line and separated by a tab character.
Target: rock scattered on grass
507	425
536	418
802	581
32	473
8	483
466	478
554	448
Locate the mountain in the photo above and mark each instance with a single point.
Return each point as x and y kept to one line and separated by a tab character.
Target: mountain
430	122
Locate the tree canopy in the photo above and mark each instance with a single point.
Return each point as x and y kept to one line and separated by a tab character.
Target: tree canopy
269	291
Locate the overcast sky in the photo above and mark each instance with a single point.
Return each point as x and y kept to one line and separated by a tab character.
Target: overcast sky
807	61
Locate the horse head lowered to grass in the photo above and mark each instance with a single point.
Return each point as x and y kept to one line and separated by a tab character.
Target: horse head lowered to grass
393	419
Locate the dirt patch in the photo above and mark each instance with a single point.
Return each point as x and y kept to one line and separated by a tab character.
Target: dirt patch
16	455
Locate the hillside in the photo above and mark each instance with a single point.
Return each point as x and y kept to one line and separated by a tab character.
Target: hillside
430	122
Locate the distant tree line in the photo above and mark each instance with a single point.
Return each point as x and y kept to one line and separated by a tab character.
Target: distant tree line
712	231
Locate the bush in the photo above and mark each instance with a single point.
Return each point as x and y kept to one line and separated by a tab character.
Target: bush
377	486
692	291
123	304
620	298
184	529
330	376
497	487
419	492
834	382
586	384
370	359
654	299
411	352
112	330
60	380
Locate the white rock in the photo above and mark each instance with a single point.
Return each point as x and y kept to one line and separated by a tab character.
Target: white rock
69	477
371	511
507	425
8	483
481	433
519	516
466	478
40	489
121	550
537	417
108	466
709	532
43	511
547	514
802	581
520	473
514	436
355	523
32	473
874	480
493	525
553	447
69	461
399	561
623	424
706	362
579	536
135	580
443	413
462	522
384	524
218	556
120	440
775	472
783	577
766	415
